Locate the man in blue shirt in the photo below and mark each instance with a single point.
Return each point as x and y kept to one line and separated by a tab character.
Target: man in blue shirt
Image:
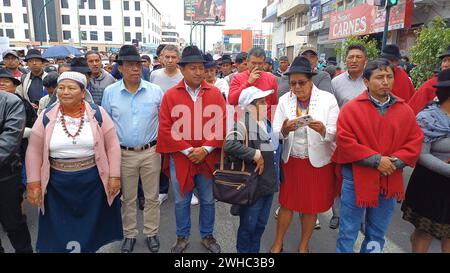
134	105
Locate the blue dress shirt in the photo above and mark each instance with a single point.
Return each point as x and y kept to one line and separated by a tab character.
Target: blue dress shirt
135	116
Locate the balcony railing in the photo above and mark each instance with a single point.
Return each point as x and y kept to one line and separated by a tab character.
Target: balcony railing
289	7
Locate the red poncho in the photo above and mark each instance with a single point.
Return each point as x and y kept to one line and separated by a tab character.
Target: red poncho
363	132
424	95
184	123
403	87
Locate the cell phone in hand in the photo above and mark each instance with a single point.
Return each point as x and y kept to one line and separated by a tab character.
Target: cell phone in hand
303	121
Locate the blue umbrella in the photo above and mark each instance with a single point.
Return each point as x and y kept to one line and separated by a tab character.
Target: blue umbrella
61	51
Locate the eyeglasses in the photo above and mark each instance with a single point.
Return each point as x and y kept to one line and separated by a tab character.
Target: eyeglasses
300	83
131	65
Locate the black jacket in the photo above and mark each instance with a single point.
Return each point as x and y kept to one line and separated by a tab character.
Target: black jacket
12	124
258	139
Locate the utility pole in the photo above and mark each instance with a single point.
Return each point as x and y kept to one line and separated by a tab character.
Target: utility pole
41	33
388	4
204	38
192	23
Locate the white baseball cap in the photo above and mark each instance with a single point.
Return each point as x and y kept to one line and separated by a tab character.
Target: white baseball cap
252	93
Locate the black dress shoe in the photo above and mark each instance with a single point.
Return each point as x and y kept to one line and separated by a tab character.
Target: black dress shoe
334	222
128	245
141	203
153	243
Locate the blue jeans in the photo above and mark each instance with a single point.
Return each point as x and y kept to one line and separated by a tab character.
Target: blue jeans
183	204
377	219
253	220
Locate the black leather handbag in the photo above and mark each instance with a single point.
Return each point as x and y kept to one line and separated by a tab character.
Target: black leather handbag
236	187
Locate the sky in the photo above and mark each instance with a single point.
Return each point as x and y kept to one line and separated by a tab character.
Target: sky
240	14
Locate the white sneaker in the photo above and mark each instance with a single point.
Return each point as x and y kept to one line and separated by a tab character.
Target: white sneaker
194	200
162	197
317	225
276	213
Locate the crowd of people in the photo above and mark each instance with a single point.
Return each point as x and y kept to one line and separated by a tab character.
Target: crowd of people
90	144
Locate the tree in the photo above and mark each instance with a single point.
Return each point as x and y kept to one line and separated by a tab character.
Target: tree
431	41
366	41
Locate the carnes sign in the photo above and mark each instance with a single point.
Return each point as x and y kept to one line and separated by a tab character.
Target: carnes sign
353	22
366	19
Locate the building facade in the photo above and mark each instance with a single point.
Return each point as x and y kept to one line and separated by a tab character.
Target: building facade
170	35
237	40
94	24
325	24
15	21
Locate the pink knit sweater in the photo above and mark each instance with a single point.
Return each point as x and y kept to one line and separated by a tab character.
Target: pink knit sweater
106	149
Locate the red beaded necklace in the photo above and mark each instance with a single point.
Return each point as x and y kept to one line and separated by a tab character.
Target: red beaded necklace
63	122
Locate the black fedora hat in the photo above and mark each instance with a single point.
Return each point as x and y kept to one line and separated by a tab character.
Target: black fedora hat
443	79
4	73
191	54
391	52
241	57
209	60
34	54
80	65
226	59
446	53
300	65
128	53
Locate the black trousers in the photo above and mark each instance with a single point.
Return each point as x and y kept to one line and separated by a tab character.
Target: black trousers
11	217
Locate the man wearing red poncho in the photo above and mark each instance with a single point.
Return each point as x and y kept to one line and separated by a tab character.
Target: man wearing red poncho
191	132
377	136
427	92
403	87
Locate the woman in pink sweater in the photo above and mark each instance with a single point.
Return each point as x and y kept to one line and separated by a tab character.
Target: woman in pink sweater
73	170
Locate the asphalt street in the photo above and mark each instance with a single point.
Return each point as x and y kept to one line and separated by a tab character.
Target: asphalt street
226	225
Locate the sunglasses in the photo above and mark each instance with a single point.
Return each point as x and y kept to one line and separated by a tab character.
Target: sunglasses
300	83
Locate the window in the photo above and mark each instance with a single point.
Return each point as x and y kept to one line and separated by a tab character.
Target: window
126	21
106	4
25	18
108	36
340	5
82	20
8	18
64	4
65	20
27	34
349	4
91	4
137	5
24	3
126	5
81	5
1	17
93	20
1	32
10	33
137	21
139	36
83	35
67	35
290	23
127	37
94	48
7	3
107	20
328	7
302	20
94	35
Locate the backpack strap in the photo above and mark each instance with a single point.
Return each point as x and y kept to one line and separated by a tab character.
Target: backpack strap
45	119
98	114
